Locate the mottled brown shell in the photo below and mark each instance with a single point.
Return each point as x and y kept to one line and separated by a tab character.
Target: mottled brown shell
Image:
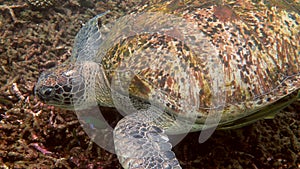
252	45
238	59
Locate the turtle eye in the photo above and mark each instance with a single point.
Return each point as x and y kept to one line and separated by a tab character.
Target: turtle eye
48	92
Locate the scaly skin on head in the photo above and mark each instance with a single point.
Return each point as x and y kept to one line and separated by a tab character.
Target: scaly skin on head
71	84
57	86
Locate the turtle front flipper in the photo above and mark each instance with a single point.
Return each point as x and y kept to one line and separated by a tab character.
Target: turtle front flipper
139	143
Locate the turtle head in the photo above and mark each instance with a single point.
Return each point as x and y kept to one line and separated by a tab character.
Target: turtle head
74	86
59	86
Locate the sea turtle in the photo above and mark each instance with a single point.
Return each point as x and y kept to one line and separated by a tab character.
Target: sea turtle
174	64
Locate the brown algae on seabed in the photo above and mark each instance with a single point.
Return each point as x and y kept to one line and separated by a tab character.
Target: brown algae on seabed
35	135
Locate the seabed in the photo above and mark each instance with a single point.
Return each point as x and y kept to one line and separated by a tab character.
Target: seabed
34	135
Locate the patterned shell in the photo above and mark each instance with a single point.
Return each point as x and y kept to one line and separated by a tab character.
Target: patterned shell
240	59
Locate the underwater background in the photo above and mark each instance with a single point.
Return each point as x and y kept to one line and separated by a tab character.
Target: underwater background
38	34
